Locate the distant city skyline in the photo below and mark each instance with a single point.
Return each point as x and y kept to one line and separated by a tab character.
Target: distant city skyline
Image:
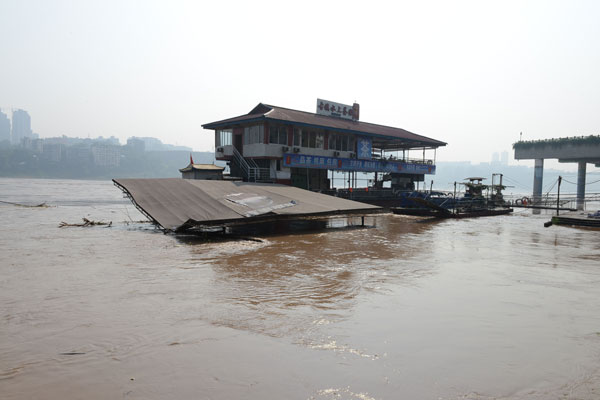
15	125
473	74
154	144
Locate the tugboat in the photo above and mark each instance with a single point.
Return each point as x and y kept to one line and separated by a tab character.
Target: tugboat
472	204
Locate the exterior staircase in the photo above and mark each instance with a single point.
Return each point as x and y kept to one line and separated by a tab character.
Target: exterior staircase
248	169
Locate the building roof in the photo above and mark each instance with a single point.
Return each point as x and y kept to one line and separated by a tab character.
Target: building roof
202	167
265	112
179	204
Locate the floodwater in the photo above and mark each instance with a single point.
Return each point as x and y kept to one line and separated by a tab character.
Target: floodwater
489	308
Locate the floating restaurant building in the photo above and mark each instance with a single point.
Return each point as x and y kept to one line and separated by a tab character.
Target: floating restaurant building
303	149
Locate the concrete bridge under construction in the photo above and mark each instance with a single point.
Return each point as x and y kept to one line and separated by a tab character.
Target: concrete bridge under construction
581	150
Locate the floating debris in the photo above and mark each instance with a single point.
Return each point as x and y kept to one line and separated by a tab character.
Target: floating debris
137	222
86	222
41	205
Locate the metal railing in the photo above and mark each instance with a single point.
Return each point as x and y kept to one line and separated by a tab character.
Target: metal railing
259	175
250	170
427	161
241	163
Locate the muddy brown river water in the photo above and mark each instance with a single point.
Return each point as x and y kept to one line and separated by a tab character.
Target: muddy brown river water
489	308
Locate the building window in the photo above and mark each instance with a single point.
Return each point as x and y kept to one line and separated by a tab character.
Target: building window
283	136
319	140
315	140
341	142
297	137
332	142
278	135
223	137
254	134
311	139
305	135
312	136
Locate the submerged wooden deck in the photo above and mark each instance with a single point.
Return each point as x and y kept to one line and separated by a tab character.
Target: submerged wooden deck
576	219
186	204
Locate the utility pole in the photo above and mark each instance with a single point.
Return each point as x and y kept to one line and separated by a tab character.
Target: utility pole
454	197
558	196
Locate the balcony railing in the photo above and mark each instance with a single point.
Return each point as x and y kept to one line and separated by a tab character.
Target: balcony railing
425	161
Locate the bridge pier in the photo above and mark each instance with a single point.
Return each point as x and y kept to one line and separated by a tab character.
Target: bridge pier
581	185
538	175
580	150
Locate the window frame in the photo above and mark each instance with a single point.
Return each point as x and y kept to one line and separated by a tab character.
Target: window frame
278	135
254	134
223	137
297	137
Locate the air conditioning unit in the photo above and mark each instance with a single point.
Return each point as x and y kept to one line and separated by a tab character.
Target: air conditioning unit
352	155
336	153
296	149
284	148
219	149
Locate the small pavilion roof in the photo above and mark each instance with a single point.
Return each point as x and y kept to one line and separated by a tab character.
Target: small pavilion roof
202	167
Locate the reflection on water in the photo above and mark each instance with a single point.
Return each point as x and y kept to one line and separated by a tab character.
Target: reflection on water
485	308
308	277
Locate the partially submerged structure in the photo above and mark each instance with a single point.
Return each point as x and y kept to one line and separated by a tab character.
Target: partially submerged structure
304	149
581	150
278	153
579	219
203	205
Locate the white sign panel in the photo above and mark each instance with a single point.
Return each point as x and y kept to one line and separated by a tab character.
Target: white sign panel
333	109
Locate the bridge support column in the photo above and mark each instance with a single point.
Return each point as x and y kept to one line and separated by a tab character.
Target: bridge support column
538	175
581	185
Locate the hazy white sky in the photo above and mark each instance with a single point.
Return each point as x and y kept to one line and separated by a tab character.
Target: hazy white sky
471	73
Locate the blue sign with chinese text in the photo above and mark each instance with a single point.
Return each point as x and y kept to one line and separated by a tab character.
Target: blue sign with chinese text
364	148
351	164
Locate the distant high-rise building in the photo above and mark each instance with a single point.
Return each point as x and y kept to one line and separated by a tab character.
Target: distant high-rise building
136	145
495	158
504	158
4	127
21	126
53	151
106	155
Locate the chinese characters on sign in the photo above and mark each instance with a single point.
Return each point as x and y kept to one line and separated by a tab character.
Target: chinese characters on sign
364	148
332	109
351	164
